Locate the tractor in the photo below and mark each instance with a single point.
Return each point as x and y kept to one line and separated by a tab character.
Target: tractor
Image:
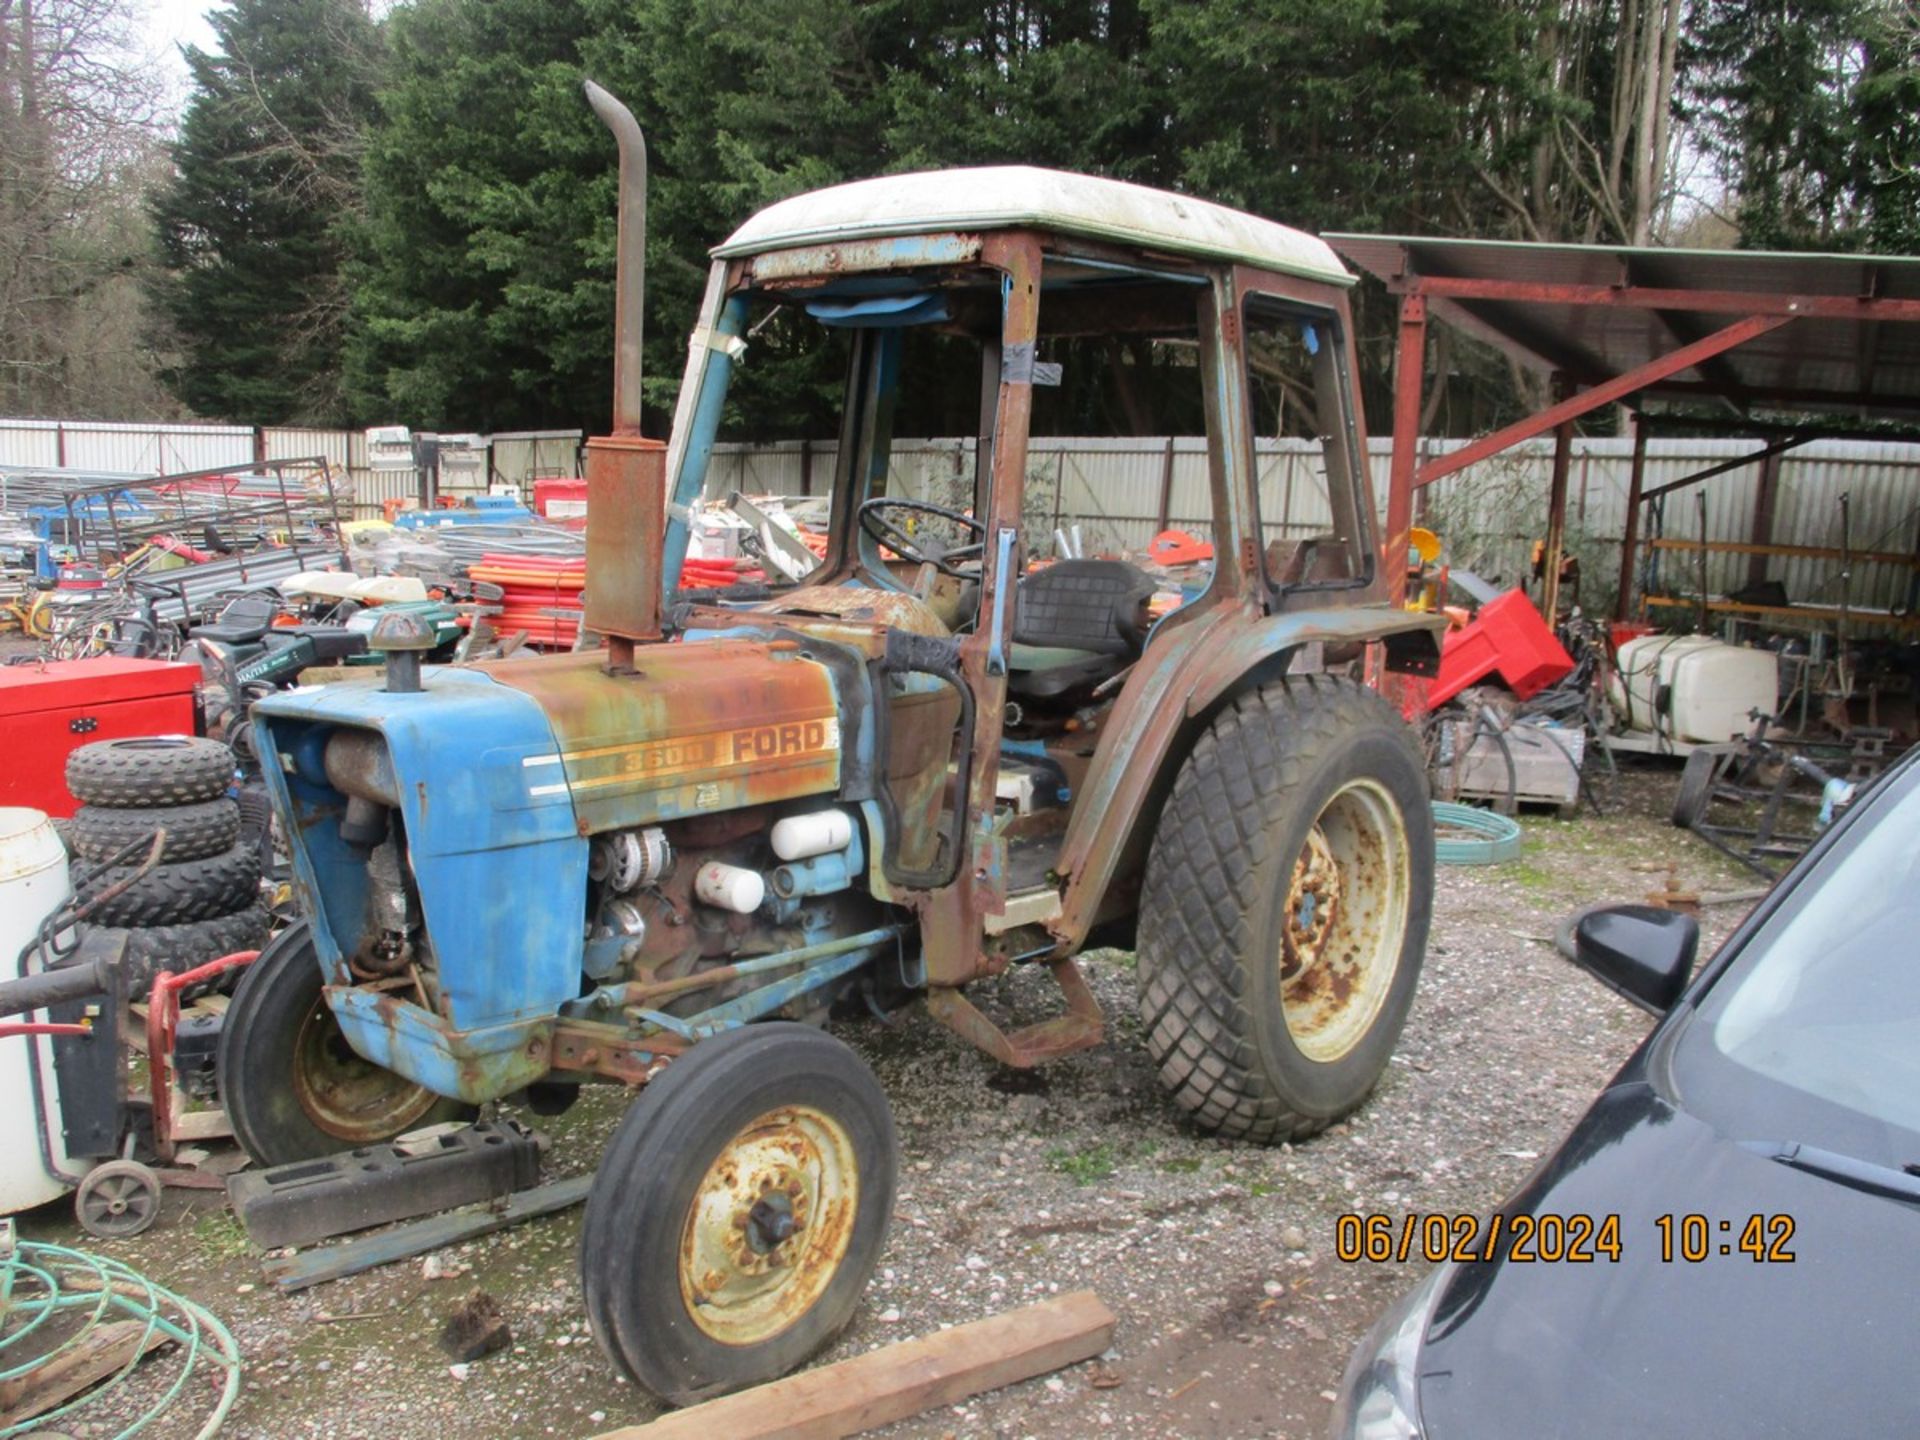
948	750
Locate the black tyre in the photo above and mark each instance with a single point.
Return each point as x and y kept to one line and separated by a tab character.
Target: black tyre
739	1212
1284	915
177	948
153	770
292	1087
177	894
194	832
1697	779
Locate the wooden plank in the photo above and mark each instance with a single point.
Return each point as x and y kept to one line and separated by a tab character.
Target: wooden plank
1805	552
1830	614
898	1380
315	1267
199	1124
68	1372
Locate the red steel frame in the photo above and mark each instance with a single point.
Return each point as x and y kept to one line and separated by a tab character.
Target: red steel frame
1759	315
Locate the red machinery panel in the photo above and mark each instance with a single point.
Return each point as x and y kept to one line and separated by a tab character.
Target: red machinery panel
48	711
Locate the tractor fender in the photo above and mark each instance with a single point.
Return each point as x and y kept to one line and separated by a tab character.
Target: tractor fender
1186	674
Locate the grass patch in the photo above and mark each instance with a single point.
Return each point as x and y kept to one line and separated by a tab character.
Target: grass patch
1182	1164
221	1235
1087	1165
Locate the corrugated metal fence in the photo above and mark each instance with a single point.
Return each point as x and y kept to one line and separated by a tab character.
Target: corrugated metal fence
1489	514
174	449
1115	490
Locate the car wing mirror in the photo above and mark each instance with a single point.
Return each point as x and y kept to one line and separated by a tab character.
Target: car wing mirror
1639	951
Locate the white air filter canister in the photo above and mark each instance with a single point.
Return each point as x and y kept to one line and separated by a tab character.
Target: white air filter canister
729	887
800	837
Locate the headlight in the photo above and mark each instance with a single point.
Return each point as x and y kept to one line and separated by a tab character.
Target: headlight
1380	1394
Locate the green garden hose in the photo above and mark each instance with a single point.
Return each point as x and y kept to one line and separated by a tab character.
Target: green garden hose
1467	835
52	1298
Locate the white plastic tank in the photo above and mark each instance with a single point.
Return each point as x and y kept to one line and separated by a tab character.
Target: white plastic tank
33	884
1692	688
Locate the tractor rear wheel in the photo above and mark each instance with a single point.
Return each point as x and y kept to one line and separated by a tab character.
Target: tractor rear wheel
292	1087
1284	914
739	1211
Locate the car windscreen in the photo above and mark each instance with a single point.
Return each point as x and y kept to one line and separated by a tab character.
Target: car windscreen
1813	1034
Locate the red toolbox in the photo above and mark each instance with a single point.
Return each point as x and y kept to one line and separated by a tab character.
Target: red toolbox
48	711
1507	638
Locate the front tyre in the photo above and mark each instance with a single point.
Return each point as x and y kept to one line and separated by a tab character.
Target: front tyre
739	1212
292	1087
1284	914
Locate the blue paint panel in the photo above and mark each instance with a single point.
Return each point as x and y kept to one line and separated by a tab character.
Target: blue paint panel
501	873
474	1065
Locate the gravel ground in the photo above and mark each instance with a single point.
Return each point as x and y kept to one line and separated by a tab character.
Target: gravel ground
1218	1258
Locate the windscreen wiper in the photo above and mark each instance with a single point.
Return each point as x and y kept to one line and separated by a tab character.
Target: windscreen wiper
1832	1165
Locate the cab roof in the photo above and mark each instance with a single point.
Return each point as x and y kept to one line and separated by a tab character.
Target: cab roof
1006	197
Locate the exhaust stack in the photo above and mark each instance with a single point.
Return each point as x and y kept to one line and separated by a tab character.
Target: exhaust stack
626	473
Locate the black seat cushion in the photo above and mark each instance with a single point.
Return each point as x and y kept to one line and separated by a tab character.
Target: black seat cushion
244	621
333	642
1093	605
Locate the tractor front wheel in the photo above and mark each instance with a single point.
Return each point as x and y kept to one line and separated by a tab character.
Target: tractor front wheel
739	1212
292	1087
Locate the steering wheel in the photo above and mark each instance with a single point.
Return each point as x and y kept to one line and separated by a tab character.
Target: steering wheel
924	550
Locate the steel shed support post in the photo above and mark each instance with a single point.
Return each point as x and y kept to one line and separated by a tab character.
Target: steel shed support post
1557	508
1765	502
1630	535
1409	367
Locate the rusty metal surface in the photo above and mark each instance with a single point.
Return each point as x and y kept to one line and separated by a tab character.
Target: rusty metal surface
856	615
1184	672
626	516
583	1047
953	917
351	1099
1080	1028
695	728
769	1225
630	278
819	262
1345	921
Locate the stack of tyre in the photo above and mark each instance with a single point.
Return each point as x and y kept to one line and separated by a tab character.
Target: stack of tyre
202	900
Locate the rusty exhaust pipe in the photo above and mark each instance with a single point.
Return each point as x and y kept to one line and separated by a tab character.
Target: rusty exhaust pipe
626	473
630	281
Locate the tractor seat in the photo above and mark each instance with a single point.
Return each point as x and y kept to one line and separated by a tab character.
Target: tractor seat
331	642
243	622
1076	623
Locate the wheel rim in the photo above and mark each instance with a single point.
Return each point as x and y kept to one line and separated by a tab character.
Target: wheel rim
1345	921
119	1201
769	1225
350	1097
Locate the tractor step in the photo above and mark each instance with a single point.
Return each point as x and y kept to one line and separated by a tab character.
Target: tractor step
1081	1028
309	1200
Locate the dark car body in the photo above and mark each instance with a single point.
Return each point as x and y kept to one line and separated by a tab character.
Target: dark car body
1755	1151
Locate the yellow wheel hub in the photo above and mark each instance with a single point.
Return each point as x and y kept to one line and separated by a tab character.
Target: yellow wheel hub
769	1225
1345	921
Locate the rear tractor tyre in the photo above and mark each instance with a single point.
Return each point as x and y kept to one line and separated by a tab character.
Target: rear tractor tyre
1284	915
739	1211
292	1087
